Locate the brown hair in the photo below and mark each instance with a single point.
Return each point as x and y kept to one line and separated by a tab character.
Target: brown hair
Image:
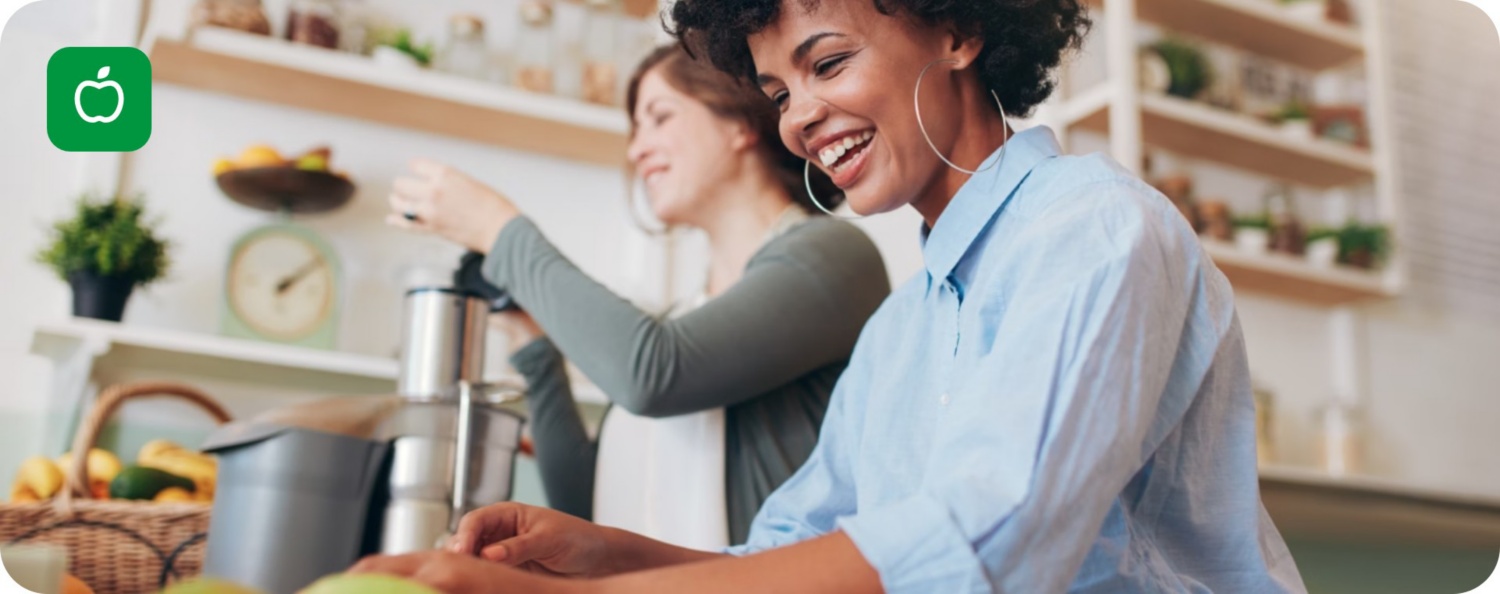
734	99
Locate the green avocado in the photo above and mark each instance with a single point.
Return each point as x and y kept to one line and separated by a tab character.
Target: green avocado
141	483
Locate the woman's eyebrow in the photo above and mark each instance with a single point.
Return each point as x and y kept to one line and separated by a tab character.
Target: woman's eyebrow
799	55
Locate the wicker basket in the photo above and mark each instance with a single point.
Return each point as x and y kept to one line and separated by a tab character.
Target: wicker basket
117	547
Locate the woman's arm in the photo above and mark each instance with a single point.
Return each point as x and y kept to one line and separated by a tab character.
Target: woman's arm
794	311
565	454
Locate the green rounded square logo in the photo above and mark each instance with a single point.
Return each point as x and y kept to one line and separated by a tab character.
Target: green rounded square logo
99	99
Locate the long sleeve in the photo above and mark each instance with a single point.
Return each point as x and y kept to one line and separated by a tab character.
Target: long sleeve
565	454
795	310
1044	436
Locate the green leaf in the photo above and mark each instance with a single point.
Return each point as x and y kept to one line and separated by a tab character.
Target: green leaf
107	236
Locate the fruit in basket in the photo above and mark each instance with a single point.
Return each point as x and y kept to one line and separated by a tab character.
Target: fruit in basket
208	586
102	466
174	495
222	165
260	155
364	583
72	585
170	457
38	479
142	483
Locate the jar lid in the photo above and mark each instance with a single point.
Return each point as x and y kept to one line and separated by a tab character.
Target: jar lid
536	12
464	24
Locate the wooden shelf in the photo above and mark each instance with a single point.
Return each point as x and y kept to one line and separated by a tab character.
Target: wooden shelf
277	71
1257	26
1293	278
1203	132
1310	503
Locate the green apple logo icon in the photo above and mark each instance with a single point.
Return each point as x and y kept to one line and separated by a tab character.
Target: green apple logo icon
93	115
106	84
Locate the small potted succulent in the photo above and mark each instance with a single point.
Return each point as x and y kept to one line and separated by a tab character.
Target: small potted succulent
1322	247
397	50
1306	10
1295	119
1364	246
1252	234
104	252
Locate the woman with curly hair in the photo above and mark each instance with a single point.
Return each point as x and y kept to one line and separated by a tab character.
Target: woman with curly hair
1059	402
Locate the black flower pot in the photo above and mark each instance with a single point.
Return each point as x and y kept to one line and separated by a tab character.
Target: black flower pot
100	296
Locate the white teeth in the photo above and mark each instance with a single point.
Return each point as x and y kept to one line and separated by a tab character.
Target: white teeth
833	152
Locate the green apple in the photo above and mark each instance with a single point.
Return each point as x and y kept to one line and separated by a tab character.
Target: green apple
365	583
208	586
312	162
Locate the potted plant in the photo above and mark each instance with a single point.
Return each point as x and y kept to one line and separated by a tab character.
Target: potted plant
104	252
1190	70
1322	247
1295	119
1307	10
1365	246
1253	233
396	48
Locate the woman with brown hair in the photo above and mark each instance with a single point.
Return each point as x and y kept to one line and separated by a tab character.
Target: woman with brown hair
718	404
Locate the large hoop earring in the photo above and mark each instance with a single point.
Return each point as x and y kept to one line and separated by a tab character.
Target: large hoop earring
917	103
807	181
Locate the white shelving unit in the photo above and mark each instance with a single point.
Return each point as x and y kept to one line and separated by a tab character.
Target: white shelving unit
81	350
1134	120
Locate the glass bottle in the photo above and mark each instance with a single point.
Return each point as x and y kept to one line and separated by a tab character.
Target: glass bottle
534	62
314	22
466	54
601	23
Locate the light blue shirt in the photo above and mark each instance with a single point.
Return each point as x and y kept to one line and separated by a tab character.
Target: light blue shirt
1059	402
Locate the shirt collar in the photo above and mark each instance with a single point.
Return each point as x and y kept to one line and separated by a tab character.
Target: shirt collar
982	197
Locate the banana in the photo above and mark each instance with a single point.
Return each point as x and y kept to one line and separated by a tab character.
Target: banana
156	446
40	476
202	469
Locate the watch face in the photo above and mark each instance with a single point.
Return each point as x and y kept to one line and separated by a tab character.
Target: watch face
281	285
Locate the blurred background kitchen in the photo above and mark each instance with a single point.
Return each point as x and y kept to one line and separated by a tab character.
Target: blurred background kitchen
1337	157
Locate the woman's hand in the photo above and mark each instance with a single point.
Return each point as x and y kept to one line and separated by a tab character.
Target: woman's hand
532	538
452	573
519	328
439	199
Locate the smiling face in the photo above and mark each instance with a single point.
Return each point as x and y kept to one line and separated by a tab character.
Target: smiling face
843	74
681	150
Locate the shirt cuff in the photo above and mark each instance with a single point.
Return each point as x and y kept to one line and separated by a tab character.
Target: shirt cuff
536	358
497	263
916	548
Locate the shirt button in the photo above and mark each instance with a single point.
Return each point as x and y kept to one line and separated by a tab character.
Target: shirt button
944	399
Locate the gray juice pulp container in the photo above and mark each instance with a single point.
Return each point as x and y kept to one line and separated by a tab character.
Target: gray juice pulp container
291	505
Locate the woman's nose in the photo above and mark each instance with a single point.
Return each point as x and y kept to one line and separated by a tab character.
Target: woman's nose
799	120
637	149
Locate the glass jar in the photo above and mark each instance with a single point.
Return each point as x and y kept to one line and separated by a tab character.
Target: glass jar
314	22
1339	439
534	60
465	53
601	24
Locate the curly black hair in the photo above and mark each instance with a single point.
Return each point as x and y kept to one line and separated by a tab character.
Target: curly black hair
1024	40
